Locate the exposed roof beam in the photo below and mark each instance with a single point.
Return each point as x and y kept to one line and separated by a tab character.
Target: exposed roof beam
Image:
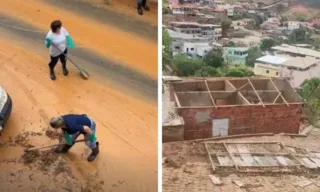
256	92
279	92
177	99
243	86
235	89
210	94
240	94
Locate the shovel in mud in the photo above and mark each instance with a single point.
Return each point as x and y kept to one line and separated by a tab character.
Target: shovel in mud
50	146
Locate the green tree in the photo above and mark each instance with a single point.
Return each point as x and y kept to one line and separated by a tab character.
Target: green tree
225	25
213	59
300	36
166	51
207	71
239	71
267	44
253	54
301	17
310	92
258	20
185	66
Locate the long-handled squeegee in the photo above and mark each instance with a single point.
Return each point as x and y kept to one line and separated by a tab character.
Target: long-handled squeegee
83	73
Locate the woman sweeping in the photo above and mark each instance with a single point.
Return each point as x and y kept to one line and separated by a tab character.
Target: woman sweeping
58	40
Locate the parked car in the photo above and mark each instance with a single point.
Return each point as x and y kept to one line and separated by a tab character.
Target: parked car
5	107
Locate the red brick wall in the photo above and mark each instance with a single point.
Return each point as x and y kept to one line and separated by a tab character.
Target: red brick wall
172	133
242	120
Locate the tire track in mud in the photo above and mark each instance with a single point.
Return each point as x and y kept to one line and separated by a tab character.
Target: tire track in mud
126	77
123	140
121	21
25	89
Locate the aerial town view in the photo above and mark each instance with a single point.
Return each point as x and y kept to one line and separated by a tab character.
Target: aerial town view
241	95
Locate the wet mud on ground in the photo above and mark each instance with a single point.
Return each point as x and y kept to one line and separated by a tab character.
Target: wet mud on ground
107	16
127	78
124	47
121	100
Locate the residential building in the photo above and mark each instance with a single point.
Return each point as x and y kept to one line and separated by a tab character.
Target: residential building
191	48
230	10
205	18
208	29
218	33
220	3
274	20
239	11
235	55
248	41
220	11
304	45
210	3
243	22
295	51
184	12
296	69
216	107
186	27
213	31
293	25
277	31
177	36
177	10
271	23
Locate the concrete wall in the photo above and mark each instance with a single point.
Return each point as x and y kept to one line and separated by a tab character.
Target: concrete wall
242	120
172	133
262	69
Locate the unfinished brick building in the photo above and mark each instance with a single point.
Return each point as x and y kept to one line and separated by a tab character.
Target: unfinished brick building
230	106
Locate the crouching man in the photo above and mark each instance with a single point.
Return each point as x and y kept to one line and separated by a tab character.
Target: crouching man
72	126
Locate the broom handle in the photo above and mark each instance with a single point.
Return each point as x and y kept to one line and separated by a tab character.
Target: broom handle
55	145
66	56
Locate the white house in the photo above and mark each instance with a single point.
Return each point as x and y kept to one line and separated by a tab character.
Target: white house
293	25
176	36
230	10
177	10
192	49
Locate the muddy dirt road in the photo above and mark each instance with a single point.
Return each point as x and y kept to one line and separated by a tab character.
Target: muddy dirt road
121	95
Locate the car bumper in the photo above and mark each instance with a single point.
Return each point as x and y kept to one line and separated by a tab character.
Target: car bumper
6	111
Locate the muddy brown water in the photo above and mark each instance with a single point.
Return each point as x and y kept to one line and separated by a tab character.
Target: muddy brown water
126	120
